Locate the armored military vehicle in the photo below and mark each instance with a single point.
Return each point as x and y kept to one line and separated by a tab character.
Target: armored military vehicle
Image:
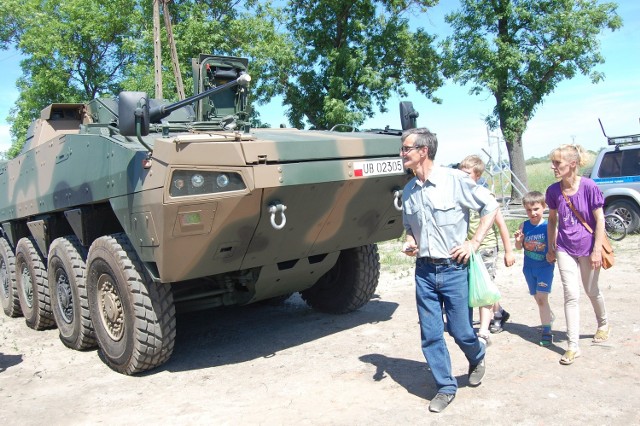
119	212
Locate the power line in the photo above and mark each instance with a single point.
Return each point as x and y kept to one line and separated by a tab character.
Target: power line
9	57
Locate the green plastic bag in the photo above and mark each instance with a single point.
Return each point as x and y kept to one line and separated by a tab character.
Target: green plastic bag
482	290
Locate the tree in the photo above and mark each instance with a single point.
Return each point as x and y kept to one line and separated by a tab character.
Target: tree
350	55
220	27
519	51
74	50
80	49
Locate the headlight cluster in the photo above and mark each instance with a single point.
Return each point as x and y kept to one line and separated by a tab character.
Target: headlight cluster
197	182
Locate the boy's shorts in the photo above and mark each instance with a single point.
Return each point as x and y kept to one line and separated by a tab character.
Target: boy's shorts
539	279
489	258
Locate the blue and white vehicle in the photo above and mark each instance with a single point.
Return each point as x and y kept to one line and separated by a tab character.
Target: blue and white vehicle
616	171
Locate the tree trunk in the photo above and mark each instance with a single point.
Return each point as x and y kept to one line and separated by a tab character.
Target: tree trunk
519	181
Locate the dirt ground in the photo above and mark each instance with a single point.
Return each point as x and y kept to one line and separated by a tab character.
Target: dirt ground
291	365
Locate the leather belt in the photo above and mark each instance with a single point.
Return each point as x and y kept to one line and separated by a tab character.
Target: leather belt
436	261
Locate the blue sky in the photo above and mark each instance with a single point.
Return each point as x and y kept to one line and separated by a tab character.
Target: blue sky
568	115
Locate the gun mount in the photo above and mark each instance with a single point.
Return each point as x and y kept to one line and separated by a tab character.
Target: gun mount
135	114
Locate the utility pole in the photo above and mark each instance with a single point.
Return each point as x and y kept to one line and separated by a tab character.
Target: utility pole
157	50
175	64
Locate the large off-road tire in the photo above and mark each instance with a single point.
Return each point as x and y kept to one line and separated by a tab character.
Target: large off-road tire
629	213
33	288
133	318
8	285
67	283
349	284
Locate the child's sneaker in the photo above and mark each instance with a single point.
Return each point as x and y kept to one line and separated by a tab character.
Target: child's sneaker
497	325
546	339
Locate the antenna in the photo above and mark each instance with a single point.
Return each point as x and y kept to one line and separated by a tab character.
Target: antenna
620	140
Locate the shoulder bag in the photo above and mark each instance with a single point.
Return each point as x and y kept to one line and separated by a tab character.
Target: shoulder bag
608	259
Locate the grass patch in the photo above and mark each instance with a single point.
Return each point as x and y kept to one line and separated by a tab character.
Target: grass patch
539	175
392	260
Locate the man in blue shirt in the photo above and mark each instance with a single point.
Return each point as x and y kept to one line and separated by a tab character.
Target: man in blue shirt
436	205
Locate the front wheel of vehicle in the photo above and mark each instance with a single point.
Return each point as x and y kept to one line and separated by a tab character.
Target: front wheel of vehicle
628	211
349	285
133	317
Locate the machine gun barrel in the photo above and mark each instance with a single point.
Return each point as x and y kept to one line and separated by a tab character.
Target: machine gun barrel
160	112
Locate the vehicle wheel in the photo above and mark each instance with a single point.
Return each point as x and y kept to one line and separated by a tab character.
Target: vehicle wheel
133	318
628	211
67	282
349	284
33	288
8	286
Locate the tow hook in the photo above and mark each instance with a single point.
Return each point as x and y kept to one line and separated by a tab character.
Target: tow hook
397	199
275	208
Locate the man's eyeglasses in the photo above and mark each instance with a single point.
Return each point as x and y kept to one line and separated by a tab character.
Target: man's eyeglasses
406	149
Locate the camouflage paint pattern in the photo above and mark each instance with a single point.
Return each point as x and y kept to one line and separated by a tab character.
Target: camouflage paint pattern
328	206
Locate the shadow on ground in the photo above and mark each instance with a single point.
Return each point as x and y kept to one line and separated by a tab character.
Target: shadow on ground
225	336
532	335
7	361
412	375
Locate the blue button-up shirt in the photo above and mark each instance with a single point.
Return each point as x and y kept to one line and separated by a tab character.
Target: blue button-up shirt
436	212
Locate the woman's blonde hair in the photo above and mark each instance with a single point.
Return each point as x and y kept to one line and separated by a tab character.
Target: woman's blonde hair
570	152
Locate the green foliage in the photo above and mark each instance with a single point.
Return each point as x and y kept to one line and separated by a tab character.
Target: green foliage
214	27
350	56
333	61
256	122
73	50
519	51
80	49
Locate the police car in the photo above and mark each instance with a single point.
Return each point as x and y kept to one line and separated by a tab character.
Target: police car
616	171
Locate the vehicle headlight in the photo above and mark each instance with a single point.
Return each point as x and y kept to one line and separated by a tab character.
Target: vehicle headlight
222	180
198	182
178	183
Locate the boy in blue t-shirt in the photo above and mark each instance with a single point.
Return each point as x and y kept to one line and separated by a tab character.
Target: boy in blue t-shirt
532	236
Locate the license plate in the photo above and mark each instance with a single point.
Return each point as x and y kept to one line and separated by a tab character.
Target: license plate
377	167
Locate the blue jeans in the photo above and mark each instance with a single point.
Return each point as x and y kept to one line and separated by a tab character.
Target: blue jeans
448	285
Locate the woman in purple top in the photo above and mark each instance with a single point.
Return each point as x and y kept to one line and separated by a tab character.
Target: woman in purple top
577	251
